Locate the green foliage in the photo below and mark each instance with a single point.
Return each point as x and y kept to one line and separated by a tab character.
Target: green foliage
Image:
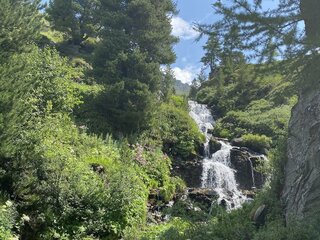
271	29
294	231
235	225
153	167
20	23
70	184
136	40
256	142
176	130
8	216
130	100
77	19
249	102
260	118
49	35
172	230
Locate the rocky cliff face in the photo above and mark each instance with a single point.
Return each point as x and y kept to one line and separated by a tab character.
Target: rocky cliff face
301	193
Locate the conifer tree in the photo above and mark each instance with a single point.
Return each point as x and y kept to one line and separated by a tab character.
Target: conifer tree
265	30
75	18
288	31
20	24
136	40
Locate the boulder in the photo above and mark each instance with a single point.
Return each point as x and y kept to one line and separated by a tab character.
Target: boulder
97	168
189	171
214	145
237	142
259	215
204	196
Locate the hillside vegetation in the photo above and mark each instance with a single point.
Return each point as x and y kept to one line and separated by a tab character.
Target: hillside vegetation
86	137
91	125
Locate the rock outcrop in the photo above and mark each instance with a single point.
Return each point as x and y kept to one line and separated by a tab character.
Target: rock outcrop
301	193
214	145
189	171
203	195
245	164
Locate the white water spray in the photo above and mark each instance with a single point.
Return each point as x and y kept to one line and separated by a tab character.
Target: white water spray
217	173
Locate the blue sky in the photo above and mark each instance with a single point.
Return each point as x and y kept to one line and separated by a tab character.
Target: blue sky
188	51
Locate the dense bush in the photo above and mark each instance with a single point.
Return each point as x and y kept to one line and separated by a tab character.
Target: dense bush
256	142
8	220
70	184
260	117
173	126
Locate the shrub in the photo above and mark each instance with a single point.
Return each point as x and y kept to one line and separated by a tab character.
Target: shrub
174	229
176	130
256	142
48	160
8	216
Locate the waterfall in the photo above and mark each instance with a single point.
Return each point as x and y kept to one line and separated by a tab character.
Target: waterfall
217	173
252	174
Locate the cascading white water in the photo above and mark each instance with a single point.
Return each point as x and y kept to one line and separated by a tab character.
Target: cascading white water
217	173
252	174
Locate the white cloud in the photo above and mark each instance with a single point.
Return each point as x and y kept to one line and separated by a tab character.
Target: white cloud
183	29
187	74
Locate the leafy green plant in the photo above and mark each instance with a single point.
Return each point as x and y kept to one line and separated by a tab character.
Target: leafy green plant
177	131
8	220
256	142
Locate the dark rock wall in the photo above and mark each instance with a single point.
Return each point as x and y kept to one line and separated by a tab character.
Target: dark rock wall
301	193
240	160
189	171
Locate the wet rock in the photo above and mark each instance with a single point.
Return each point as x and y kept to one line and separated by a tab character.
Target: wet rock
203	195
237	142
202	150
259	215
155	217
97	168
189	171
249	193
214	145
210	131
245	163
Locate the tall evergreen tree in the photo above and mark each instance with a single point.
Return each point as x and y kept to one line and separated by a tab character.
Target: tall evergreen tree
136	40
20	24
76	18
287	31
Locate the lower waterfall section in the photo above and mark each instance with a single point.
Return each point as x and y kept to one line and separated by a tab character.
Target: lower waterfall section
217	173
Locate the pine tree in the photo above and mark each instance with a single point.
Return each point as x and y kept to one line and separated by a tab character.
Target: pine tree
136	40
20	24
247	30
76	18
265	31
